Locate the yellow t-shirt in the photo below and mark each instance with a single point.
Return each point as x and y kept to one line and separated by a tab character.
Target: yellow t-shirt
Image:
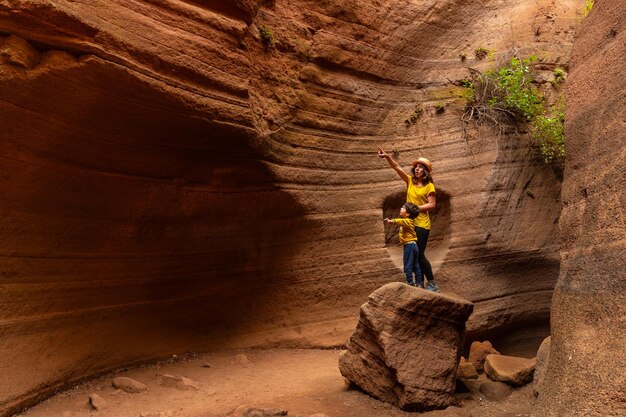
419	195
407	230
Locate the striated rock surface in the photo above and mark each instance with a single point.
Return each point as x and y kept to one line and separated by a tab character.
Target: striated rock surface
406	346
171	184
585	374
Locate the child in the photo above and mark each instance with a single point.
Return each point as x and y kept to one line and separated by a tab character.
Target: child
408	238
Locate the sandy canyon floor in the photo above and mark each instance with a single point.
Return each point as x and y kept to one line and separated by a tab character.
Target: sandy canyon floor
303	382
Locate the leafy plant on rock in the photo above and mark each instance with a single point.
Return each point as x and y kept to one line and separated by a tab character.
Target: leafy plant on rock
481	53
547	131
414	117
507	97
559	77
267	37
587	7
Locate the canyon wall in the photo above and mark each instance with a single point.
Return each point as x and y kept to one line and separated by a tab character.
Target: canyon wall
173	181
585	375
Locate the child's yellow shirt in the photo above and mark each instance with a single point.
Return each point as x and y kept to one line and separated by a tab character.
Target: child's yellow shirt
407	230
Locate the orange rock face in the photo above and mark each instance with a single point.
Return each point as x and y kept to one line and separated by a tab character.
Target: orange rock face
173	182
587	353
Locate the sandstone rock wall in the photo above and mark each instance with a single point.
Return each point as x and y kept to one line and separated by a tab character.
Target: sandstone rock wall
584	376
171	184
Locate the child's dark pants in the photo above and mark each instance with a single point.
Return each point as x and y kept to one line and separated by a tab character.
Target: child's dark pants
411	264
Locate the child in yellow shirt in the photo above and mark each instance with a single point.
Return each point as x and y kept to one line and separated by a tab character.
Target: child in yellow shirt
408	238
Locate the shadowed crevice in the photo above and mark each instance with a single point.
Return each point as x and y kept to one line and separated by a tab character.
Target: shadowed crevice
133	227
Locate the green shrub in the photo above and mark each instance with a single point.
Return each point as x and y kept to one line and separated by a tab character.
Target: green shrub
481	53
267	37
514	90
414	117
559	76
547	131
506	96
468	91
587	7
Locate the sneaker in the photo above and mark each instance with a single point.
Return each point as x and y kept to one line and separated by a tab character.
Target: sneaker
432	287
420	285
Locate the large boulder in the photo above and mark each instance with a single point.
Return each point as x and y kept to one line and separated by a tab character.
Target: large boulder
406	346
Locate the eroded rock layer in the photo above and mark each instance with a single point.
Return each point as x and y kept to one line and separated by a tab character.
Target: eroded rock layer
173	182
584	375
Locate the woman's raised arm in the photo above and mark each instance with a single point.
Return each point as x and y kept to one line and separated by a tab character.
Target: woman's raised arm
393	164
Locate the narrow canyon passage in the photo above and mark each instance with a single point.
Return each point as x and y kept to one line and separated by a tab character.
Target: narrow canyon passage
133	226
172	181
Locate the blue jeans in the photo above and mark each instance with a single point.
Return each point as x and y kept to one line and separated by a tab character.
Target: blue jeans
411	264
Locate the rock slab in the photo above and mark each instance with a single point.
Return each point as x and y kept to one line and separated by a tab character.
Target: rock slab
129	385
406	346
179	382
97	402
510	369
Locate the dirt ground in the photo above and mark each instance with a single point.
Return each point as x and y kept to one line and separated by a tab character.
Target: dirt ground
303	382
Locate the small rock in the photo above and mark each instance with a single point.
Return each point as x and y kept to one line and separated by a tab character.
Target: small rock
495	391
241	359
466	370
179	382
264	412
478	353
97	402
206	365
19	52
128	385
510	369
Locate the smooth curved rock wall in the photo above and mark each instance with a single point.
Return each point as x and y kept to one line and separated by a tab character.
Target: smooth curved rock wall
585	374
170	184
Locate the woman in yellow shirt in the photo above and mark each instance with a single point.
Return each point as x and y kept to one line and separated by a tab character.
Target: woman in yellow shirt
421	192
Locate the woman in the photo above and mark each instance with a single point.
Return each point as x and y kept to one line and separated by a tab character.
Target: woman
421	192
